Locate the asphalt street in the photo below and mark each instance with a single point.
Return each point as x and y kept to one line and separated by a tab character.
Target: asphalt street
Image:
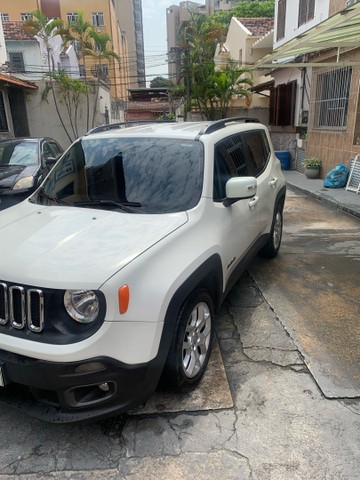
285	405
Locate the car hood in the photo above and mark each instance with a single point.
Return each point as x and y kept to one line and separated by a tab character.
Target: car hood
10	174
72	247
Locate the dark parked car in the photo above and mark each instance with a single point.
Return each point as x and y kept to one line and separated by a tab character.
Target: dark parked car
24	163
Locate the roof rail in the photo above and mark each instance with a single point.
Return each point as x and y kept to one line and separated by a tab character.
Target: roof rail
132	123
216	125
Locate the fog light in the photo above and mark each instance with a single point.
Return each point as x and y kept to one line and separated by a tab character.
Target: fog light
104	387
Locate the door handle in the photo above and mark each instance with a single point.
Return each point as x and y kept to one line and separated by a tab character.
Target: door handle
273	182
253	202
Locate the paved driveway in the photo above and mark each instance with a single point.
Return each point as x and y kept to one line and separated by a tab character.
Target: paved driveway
314	287
276	424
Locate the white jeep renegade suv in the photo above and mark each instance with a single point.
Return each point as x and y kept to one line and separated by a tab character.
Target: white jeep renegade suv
112	270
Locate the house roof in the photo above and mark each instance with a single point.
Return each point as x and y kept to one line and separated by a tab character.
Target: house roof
14	31
16	82
257	26
341	30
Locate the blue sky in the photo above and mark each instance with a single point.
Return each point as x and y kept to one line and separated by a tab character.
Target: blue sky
154	21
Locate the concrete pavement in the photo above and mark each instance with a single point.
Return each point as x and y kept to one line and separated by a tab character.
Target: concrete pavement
345	200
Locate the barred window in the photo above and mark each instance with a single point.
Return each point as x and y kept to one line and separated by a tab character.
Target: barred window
281	15
16	62
332	99
306	11
97	19
4	17
25	16
72	17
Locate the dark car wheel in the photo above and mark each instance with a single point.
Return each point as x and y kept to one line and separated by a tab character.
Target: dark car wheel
191	344
270	250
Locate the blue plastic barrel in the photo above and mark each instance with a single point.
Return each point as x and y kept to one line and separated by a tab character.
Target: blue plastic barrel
285	159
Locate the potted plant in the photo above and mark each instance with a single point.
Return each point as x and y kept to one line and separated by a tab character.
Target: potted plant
312	167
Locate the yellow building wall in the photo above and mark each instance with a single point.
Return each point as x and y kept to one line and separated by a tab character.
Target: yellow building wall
119	77
15	7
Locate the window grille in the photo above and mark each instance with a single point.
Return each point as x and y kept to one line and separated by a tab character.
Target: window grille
98	19
71	17
332	99
306	11
3	119
4	17
17	62
280	29
25	16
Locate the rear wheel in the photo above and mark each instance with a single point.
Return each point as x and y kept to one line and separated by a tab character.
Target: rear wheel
191	344
270	250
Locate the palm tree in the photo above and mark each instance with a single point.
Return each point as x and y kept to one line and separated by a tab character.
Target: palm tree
46	29
100	52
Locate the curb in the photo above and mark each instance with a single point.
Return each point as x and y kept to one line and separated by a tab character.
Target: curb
324	199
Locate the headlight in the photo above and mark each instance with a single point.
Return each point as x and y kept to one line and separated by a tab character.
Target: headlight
26	182
82	305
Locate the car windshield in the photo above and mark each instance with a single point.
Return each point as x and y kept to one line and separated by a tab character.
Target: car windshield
19	153
142	175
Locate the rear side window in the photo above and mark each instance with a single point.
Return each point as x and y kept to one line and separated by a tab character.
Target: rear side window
258	151
242	155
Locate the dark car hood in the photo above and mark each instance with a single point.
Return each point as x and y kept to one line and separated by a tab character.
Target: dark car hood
10	174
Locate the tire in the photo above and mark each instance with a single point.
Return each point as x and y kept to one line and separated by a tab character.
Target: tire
191	344
271	248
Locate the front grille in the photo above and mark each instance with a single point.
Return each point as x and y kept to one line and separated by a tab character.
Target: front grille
22	307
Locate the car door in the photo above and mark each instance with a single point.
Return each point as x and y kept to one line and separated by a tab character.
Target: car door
237	224
258	154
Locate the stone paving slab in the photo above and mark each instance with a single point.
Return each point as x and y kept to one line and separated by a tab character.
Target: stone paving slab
213	393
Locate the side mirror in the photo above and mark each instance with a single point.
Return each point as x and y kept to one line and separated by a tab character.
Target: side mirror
239	188
50	161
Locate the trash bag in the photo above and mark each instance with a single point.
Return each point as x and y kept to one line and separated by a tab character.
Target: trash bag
337	177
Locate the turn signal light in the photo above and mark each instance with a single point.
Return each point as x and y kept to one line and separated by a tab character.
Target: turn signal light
124	297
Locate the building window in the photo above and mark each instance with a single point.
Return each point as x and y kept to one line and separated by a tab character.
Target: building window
4	17
306	11
101	72
16	61
72	17
98	19
281	16
282	104
25	16
332	99
3	120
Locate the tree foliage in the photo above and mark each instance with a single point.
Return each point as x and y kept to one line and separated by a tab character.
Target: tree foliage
207	89
246	9
65	89
161	82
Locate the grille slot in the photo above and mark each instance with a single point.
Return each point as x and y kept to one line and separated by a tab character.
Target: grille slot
22	307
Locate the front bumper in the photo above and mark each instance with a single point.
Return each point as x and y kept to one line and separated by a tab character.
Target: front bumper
75	391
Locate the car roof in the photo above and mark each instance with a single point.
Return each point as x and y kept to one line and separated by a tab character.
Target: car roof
185	130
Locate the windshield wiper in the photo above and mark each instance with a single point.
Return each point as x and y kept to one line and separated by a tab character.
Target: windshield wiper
56	200
129	207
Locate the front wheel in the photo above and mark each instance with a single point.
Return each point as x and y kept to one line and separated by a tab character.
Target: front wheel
270	250
191	344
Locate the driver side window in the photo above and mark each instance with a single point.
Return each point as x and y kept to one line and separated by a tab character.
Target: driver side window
229	161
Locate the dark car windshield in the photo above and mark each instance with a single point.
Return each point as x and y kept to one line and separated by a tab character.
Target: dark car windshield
143	175
19	153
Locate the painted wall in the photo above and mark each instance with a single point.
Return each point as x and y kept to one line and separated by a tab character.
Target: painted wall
118	75
44	121
292	29
239	47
